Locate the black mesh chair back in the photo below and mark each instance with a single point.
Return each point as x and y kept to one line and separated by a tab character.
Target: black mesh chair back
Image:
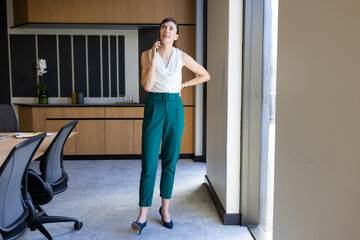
53	180
8	121
14	211
51	165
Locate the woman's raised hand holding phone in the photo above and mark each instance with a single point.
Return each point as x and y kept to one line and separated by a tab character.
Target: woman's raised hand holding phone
155	48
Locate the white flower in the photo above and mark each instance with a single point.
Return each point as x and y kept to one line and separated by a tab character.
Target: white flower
41	66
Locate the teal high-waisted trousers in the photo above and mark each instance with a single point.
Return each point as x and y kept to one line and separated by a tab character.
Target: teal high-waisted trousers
163	120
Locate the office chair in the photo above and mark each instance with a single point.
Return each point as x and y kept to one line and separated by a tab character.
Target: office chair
14	201
52	180
8	121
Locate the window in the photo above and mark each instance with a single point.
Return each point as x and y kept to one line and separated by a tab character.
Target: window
258	129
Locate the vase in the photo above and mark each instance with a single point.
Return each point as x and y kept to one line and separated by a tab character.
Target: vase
43	98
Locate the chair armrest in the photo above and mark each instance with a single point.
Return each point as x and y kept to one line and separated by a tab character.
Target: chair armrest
40	191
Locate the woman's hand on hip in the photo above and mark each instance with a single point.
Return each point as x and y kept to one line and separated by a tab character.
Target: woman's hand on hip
183	85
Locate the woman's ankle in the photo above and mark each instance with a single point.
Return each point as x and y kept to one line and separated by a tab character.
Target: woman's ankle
142	215
141	219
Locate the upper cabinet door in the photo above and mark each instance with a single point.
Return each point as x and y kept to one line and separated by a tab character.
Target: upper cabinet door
103	11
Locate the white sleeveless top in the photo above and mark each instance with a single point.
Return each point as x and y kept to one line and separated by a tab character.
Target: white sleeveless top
168	79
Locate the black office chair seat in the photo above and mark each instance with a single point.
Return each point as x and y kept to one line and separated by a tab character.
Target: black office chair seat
59	188
40	191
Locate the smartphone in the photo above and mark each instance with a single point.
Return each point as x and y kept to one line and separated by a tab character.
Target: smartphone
158	40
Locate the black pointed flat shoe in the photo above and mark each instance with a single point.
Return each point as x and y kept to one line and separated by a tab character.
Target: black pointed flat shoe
138	226
166	224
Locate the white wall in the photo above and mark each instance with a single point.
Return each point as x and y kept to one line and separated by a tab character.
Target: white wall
223	106
217	96
317	162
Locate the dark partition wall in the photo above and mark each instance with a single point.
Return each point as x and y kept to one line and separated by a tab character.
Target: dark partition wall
23	65
80	64
47	50
65	65
4	57
94	66
113	63
105	64
121	57
89	63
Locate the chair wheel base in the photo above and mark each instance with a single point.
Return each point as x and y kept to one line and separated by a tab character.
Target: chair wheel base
78	225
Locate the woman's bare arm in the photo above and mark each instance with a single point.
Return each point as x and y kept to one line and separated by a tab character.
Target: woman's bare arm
191	64
148	68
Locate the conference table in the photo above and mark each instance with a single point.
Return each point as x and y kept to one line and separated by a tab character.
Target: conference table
7	144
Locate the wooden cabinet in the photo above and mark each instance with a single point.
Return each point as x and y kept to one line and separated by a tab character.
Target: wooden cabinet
54	126
103	11
54	112
90	139
119	136
187	141
73	112
83	112
101	130
32	119
91	135
137	136
124	112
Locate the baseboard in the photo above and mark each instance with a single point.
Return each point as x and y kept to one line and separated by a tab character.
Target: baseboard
102	157
226	218
116	157
199	159
256	232
185	156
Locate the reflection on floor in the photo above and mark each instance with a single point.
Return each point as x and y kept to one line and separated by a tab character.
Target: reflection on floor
103	194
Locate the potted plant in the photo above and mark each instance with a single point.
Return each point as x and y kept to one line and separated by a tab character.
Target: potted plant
41	66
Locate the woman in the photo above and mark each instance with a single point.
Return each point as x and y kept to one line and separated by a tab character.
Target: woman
163	116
